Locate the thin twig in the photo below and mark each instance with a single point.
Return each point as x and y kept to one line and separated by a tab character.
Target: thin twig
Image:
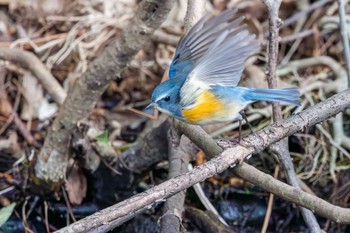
205	200
281	148
296	36
269	205
344	36
274	24
46	214
69	207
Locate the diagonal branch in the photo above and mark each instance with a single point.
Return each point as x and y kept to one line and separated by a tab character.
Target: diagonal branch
52	161
271	134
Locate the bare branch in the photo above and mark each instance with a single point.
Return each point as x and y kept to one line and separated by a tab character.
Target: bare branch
344	36
195	11
180	150
274	23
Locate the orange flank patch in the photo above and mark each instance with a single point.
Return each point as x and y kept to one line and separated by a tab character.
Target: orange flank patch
206	107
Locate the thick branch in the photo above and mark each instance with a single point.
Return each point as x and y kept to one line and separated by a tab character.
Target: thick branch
52	161
195	11
179	153
178	160
264	138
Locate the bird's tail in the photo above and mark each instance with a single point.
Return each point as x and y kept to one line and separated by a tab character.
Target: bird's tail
289	95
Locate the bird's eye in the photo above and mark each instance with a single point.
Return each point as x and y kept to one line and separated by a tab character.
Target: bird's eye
167	98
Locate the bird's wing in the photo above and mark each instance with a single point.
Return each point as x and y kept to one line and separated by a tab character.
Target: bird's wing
221	64
195	43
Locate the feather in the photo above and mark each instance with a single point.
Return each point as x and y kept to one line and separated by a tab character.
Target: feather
218	51
196	42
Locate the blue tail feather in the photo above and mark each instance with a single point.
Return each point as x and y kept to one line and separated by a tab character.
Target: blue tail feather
289	95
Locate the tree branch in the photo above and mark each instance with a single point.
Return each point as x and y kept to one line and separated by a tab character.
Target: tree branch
180	150
274	23
345	37
195	11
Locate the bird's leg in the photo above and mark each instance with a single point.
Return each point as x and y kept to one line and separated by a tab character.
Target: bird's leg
239	131
246	120
232	142
242	113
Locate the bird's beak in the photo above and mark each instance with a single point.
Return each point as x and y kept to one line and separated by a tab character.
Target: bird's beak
149	109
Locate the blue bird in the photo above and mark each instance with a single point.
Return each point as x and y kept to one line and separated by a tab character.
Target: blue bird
207	66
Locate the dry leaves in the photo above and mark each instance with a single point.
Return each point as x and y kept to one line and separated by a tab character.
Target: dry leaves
76	185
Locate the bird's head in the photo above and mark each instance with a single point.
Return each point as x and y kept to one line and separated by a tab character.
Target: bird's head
166	98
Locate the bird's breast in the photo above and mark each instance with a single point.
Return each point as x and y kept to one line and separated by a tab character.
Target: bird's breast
206	107
209	109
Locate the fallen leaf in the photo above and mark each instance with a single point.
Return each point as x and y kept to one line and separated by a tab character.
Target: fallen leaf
5	106
76	185
35	106
6	212
10	144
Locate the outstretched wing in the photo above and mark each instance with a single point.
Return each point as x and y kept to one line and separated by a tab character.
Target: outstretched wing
195	43
221	64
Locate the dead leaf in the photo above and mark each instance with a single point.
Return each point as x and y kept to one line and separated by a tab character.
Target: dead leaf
76	185
35	106
5	106
200	158
10	144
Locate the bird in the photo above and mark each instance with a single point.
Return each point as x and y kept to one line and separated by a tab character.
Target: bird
208	64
